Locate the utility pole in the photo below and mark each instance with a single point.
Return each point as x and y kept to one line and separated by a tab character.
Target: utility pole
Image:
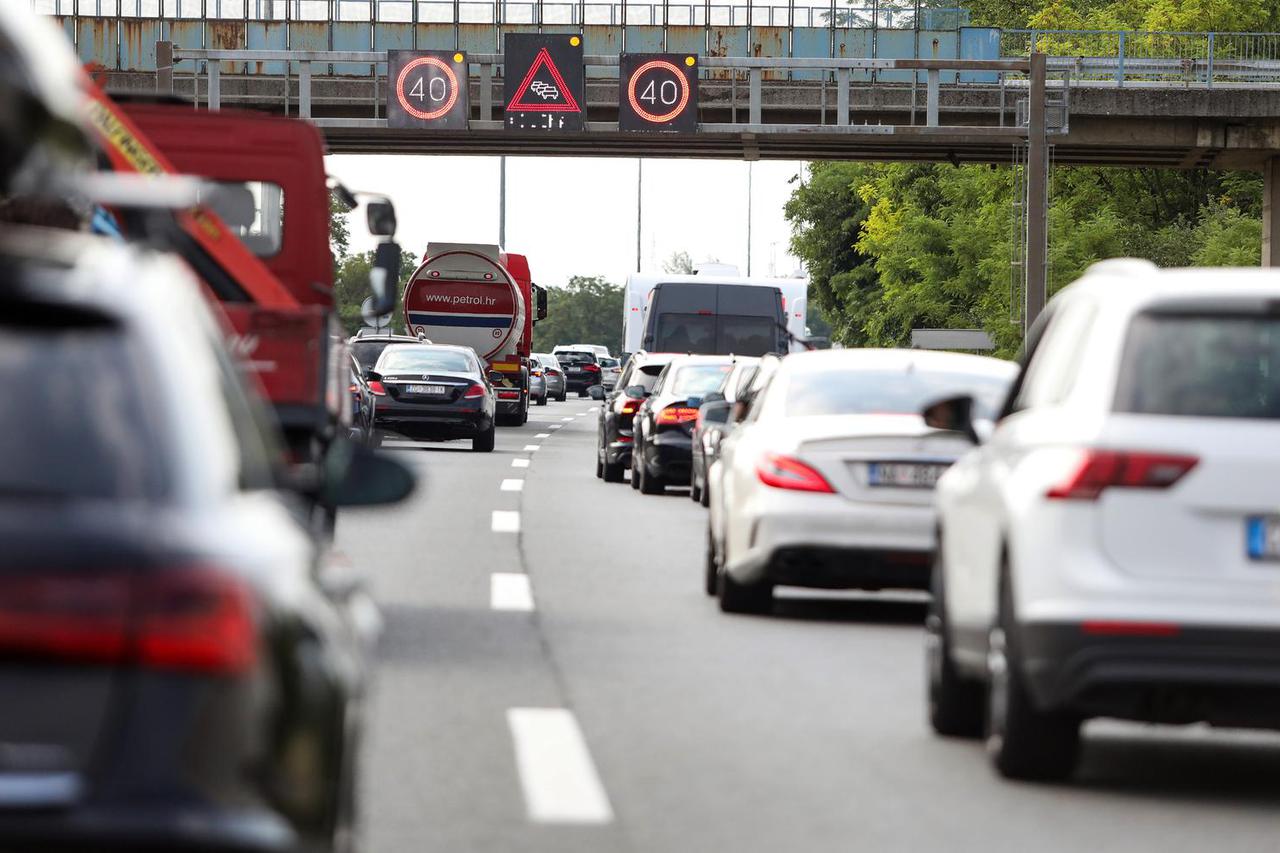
502	201
750	164
639	206
1037	200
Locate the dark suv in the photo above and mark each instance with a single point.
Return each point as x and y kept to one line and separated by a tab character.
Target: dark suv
613	435
581	370
367	346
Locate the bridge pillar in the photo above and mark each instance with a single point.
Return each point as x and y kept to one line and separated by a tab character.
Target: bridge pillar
1271	213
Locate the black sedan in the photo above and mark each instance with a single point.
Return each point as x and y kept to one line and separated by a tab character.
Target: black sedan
362	404
613	430
181	668
663	425
433	392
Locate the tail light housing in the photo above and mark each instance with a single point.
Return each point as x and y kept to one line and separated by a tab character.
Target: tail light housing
630	406
677	414
188	619
591	368
475	391
785	472
377	388
537	373
1100	470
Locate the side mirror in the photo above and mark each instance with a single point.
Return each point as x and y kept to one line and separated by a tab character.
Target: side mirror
384	278
596	392
495	378
953	414
636	391
381	216
716	412
540	303
354	475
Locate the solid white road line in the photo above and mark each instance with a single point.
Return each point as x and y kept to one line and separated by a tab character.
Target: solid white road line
556	772
532	446
510	591
512	485
506	521
519	463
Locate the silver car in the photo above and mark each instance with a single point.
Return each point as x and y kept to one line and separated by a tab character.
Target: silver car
546	378
610	370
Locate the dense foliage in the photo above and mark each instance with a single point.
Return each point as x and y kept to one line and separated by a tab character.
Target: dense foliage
587	310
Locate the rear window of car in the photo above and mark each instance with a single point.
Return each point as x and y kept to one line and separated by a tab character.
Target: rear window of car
82	425
576	357
367	352
694	379
884	392
419	358
1214	366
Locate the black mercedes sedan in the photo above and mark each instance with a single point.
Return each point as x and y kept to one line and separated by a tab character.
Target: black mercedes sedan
433	392
662	427
180	664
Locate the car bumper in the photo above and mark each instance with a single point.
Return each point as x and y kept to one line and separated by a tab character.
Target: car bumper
667	456
119	827
440	423
1225	675
618	453
822	540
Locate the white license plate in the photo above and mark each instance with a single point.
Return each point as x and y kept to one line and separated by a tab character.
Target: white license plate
1262	537
908	475
575	369
426	389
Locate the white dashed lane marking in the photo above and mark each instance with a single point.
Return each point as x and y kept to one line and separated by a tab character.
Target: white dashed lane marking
543	435
554	426
506	521
557	775
566	419
532	447
512	485
510	591
519	463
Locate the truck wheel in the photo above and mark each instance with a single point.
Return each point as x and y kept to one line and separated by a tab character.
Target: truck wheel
483	443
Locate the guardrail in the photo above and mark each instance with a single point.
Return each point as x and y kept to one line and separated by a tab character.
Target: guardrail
873	14
482	67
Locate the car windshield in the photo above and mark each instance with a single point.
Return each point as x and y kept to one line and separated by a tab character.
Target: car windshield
836	391
1225	366
83	427
576	357
419	358
699	379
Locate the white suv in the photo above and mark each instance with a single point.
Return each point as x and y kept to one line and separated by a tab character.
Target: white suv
1113	548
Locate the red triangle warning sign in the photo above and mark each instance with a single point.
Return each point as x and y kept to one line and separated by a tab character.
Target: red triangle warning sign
546	93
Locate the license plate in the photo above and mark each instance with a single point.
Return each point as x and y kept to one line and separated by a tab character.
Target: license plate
575	369
426	389
908	475
1262	537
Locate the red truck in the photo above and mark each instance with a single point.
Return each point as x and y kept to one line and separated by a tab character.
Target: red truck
261	246
478	295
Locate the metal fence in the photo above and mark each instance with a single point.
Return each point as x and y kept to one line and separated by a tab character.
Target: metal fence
1142	56
874	14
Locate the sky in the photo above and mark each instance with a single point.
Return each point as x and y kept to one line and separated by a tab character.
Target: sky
577	215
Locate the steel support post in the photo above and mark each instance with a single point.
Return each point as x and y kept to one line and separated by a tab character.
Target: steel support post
215	85
304	89
931	97
1037	200
164	67
755	95
842	96
1271	213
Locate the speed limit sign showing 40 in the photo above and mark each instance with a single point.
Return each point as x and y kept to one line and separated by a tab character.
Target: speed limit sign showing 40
658	91
428	88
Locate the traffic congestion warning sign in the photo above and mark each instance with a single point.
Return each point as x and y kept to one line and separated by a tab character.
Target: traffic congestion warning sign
658	92
428	89
544	85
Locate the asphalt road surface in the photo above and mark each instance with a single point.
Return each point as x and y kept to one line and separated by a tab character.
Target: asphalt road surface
552	678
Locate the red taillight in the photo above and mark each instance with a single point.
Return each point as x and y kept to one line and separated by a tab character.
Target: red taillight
537	373
185	619
783	472
676	415
376	388
476	390
1103	469
630	407
1130	629
591	368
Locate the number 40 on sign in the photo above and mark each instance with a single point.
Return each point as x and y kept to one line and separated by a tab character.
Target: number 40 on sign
658	92
428	89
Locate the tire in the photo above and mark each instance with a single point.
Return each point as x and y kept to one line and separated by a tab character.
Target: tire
483	443
743	598
650	485
599	465
1023	741
955	703
706	495
541	401
561	396
581	394
635	473
712	565
613	471
695	491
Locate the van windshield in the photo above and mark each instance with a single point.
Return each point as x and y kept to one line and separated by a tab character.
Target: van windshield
705	334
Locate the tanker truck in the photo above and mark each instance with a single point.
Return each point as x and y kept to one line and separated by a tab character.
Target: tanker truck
477	295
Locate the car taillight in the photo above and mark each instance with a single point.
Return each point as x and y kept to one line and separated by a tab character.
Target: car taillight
592	368
783	472
476	390
185	619
676	415
630	407
377	388
537	373
1104	469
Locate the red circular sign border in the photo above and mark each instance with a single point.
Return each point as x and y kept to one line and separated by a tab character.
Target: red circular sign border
453	88
644	114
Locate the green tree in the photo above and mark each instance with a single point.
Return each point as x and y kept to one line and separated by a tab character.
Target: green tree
587	310
339	230
351	287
